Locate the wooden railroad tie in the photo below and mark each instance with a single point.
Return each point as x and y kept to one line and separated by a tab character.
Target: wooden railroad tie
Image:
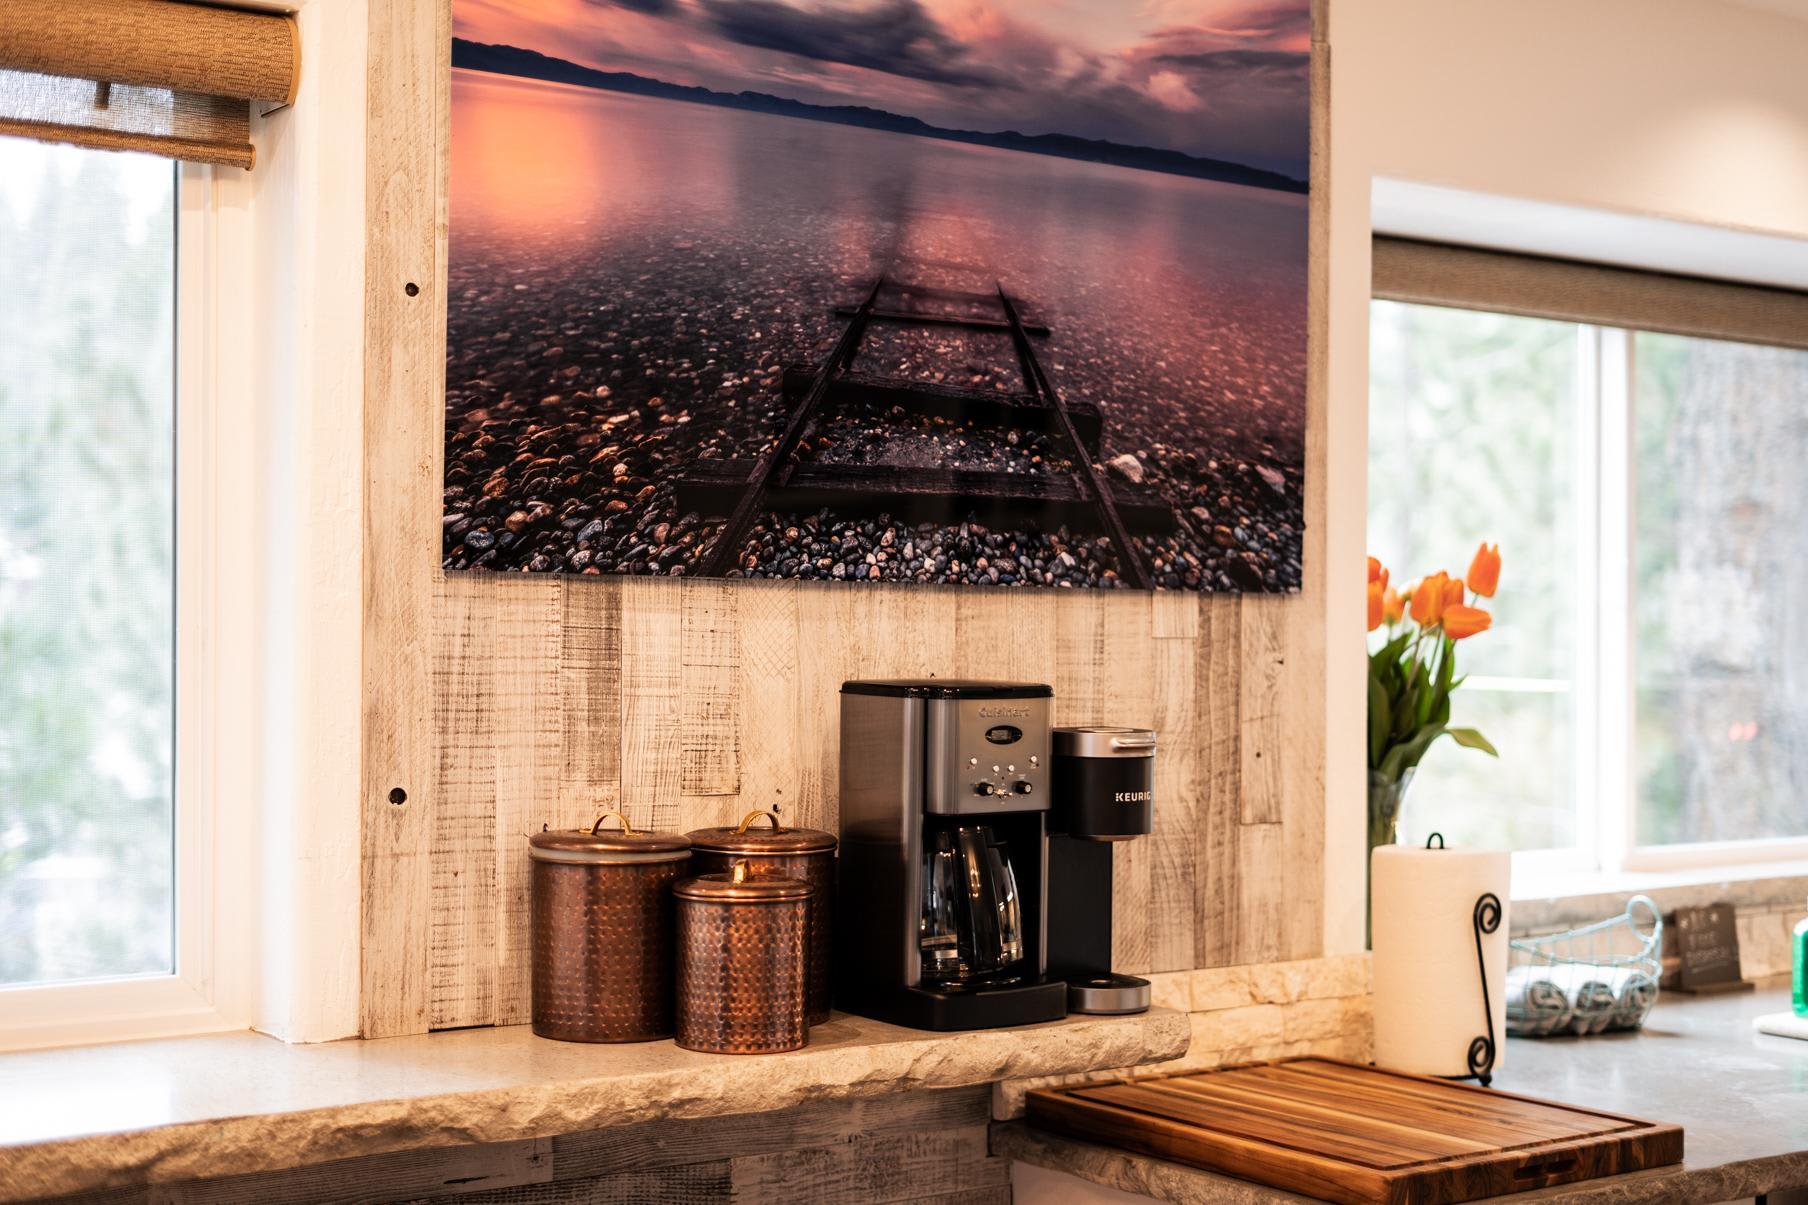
777	481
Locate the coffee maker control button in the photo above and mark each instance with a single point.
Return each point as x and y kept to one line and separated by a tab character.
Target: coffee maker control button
1024	786
985	788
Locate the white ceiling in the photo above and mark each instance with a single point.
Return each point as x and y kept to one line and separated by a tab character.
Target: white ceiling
1788	8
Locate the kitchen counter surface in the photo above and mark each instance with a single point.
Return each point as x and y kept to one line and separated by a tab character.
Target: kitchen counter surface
1740	1096
137	1113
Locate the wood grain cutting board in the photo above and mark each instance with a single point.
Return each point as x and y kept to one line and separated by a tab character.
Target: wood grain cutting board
1356	1134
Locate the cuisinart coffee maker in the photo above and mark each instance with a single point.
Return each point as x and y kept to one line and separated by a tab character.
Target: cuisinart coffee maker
942	917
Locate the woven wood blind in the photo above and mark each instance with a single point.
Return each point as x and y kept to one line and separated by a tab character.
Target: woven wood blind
162	76
1440	274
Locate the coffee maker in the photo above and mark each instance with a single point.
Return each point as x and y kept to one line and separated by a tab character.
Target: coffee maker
1104	792
941	921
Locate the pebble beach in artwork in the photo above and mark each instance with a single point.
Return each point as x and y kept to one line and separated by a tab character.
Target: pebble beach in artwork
587	372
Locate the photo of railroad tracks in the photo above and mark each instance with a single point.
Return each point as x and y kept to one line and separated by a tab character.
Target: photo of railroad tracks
694	332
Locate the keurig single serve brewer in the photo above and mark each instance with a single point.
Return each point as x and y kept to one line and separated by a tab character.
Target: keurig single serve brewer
1104	792
942	920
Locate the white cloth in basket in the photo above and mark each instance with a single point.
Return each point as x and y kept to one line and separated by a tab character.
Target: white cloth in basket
1577	998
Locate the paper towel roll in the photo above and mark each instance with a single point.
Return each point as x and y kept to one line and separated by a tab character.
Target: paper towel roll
1428	997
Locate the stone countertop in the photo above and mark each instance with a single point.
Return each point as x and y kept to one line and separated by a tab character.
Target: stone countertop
1740	1096
137	1113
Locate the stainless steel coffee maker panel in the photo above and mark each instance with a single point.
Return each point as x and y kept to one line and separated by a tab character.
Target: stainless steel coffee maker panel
986	756
881	826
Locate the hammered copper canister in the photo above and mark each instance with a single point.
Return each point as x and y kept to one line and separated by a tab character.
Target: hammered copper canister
603	931
742	962
802	853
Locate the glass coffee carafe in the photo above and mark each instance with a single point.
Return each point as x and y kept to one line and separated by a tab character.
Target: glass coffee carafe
972	924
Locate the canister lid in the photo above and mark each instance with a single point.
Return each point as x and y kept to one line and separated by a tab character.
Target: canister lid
743	838
1102	740
597	844
743	885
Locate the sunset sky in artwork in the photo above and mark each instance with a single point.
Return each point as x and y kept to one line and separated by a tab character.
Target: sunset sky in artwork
1219	78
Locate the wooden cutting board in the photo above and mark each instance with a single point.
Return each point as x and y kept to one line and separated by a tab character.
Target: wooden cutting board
1356	1134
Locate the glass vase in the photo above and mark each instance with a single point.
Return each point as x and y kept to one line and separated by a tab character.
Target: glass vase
1385	798
1386	795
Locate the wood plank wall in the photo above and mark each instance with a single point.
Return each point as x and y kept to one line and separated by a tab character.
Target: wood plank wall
497	704
920	1148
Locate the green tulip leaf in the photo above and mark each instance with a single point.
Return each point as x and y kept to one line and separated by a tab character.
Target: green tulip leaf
1469	738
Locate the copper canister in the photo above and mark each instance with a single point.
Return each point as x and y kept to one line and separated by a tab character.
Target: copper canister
802	853
741	962
603	931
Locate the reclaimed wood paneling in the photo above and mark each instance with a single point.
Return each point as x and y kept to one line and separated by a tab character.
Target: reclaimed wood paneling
407	98
463	853
767	697
923	1147
523	628
746	1136
590	702
1173	850
652	733
503	703
402	1176
1303	767
708	681
1217	807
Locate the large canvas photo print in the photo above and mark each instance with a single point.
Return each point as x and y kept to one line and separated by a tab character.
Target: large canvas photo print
959	292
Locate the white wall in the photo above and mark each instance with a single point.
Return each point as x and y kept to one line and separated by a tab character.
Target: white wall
1689	109
308	232
1694	110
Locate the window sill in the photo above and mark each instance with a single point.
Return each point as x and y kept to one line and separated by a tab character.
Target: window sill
126	1115
1558	900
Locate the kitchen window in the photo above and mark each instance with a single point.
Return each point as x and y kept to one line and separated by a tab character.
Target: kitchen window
108	826
1643	679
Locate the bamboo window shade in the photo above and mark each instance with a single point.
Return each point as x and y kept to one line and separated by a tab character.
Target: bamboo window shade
161	76
1572	291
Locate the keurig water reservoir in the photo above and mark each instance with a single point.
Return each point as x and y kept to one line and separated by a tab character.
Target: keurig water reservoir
1104	782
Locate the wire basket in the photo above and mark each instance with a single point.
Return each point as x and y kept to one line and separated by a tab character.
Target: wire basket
1590	980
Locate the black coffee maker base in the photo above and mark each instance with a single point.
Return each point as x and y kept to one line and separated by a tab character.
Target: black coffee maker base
1107	995
990	1008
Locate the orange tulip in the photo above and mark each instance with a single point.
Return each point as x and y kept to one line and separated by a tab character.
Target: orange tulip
1484	570
1428	599
1461	622
1376	590
1377	573
1393	607
1453	592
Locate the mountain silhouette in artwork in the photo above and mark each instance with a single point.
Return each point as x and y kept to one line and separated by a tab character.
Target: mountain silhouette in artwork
531	64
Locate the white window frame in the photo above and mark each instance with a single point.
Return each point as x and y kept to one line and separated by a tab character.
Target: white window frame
1605	779
1619	396
214	758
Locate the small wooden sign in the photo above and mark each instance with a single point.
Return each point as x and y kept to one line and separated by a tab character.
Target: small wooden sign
1701	950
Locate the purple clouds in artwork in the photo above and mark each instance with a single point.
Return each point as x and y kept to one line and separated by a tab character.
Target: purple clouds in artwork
1224	79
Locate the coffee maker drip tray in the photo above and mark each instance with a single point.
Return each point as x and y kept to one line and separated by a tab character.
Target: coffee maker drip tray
976	1005
1107	995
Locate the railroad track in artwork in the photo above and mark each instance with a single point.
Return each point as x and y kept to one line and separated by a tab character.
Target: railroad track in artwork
779	481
